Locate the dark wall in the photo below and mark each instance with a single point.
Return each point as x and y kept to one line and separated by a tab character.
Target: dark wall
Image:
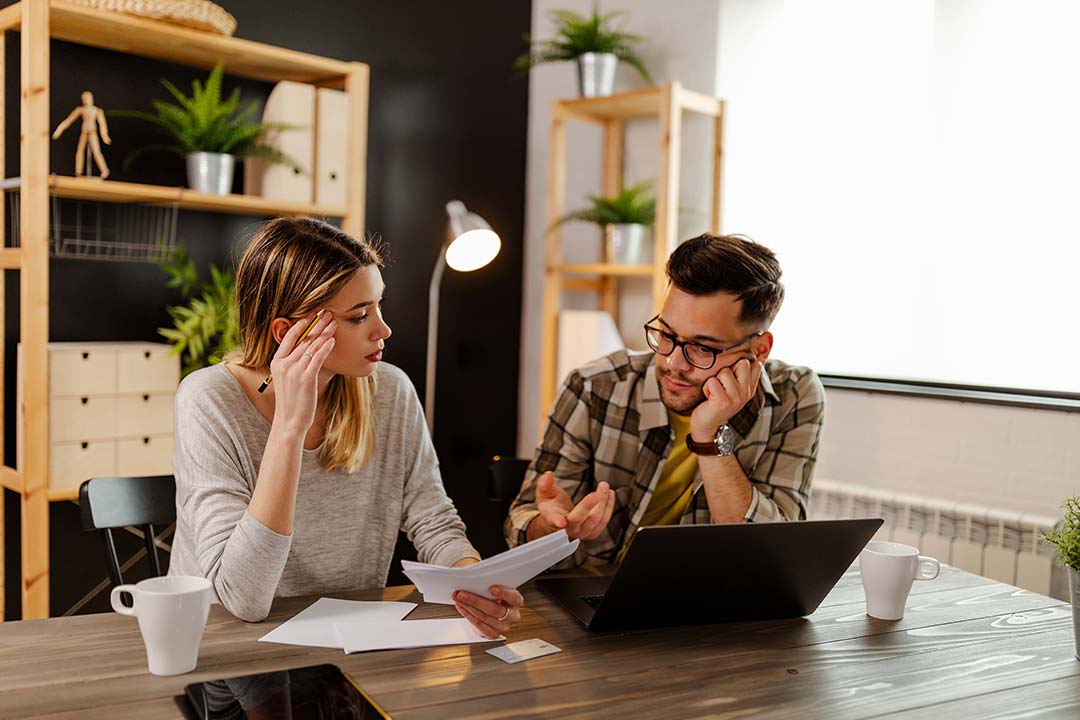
447	121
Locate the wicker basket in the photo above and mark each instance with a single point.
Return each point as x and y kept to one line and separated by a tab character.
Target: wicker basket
198	14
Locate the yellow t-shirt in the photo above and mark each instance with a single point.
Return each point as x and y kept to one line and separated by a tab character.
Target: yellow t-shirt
676	483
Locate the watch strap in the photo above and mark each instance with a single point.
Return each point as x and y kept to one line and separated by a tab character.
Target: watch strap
715	446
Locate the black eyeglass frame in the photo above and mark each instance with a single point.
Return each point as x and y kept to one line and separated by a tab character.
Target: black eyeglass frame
677	343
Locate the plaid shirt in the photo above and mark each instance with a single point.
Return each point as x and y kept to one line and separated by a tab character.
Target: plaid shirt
609	424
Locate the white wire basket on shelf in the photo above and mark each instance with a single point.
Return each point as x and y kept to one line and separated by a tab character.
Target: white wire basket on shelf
94	230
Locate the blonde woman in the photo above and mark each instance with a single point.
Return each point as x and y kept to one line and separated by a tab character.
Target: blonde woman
301	489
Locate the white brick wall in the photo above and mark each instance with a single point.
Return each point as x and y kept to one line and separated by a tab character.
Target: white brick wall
1016	459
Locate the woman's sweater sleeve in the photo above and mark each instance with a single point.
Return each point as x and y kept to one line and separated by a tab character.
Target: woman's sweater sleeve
242	558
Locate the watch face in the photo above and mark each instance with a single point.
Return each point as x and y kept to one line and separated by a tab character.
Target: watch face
725	440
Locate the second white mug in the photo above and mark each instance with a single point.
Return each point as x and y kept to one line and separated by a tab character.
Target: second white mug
888	570
172	614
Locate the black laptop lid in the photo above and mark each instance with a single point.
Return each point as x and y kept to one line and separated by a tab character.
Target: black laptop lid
690	574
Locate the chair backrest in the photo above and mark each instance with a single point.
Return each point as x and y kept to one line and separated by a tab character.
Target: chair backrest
109	503
505	476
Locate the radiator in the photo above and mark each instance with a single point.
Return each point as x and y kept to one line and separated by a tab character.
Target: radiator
995	543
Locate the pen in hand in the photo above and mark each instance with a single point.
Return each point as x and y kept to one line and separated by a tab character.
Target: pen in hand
314	320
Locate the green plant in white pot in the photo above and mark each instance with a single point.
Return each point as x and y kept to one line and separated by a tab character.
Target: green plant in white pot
594	43
1066	538
626	219
209	133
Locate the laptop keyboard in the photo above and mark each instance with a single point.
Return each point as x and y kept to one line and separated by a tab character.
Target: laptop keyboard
593	601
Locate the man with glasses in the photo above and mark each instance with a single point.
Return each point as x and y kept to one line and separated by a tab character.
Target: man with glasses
706	428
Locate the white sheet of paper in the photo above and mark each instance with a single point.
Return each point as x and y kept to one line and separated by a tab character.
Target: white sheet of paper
362	636
314	626
512	569
507	558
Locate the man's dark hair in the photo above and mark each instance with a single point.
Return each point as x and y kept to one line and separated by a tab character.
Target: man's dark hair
730	264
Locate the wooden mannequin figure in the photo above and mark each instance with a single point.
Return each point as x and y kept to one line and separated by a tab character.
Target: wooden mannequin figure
92	116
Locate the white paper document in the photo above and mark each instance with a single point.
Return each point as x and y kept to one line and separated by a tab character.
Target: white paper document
511	569
365	635
314	626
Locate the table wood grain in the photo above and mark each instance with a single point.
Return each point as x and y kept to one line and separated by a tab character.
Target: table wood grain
968	647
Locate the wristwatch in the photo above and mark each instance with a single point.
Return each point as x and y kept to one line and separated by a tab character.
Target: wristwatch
723	444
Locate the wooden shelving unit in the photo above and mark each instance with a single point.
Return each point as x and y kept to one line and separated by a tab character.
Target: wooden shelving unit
666	103
38	21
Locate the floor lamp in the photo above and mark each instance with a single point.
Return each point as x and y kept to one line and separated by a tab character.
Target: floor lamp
470	244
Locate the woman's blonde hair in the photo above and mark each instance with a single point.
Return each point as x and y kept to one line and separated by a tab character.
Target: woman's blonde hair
291	268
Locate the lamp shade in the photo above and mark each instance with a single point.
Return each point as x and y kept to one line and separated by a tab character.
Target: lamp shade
473	244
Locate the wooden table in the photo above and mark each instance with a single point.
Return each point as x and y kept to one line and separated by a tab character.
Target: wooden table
968	647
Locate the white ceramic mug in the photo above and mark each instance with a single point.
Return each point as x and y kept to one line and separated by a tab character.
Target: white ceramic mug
172	613
887	570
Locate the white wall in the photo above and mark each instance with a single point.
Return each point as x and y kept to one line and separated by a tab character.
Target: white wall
1016	459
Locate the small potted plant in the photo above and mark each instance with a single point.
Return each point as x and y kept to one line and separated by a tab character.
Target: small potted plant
594	43
1066	538
209	133
625	218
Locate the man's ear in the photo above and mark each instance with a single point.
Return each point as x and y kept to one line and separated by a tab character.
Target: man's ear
763	346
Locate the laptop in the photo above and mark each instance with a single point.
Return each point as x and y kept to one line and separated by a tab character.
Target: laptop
701	574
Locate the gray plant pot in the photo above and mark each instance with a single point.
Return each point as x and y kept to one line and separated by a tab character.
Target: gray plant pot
210	172
596	74
629	245
1074	593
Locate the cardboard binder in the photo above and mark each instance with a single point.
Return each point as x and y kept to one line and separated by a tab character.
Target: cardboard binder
585	335
291	103
332	120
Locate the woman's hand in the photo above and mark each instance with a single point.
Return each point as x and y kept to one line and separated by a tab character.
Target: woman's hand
295	368
491	618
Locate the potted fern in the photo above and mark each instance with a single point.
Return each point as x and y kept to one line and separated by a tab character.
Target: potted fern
593	43
1066	538
209	133
204	330
625	219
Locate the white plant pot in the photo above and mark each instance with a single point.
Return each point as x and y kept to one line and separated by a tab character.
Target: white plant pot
596	74
1074	593
629	245
210	172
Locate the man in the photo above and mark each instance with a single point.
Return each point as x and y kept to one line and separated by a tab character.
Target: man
703	429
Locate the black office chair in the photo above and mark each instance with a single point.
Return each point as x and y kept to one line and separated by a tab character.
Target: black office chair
118	502
505	476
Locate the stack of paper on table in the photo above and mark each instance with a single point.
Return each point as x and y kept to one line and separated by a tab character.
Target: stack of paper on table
356	626
365	635
511	569
314	626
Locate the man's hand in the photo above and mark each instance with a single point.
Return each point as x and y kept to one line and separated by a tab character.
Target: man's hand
726	394
585	521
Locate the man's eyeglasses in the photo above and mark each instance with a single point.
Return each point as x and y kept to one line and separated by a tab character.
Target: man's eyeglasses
698	355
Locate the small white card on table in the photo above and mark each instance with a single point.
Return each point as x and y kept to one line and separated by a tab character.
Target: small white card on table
515	652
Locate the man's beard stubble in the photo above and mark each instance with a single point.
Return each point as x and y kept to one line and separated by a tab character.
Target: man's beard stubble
679	406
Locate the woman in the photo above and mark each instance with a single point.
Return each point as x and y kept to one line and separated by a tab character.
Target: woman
301	489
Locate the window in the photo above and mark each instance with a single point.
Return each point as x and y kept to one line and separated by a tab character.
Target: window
916	167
